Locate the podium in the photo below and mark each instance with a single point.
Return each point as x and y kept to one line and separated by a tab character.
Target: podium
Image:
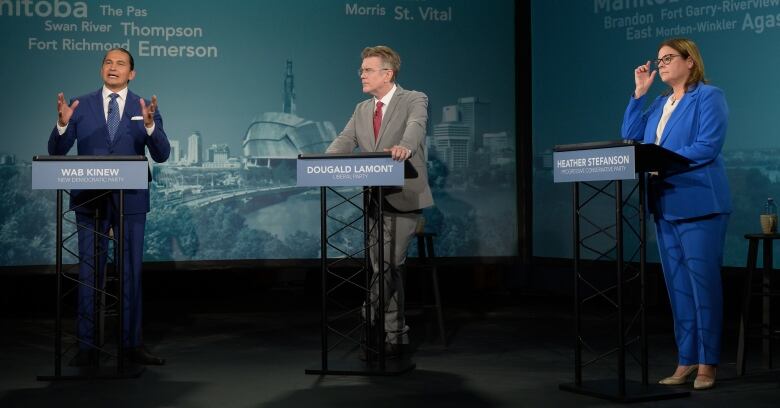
106	174
594	169
352	188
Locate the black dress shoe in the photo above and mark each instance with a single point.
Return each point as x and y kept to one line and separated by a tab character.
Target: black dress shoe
84	358
140	355
392	352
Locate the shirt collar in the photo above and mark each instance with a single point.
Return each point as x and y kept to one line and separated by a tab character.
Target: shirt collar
107	92
386	99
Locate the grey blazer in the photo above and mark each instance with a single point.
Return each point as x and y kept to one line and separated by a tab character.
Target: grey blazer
404	124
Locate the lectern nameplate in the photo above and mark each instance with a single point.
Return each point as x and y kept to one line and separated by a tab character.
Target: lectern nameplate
89	174
613	163
349	171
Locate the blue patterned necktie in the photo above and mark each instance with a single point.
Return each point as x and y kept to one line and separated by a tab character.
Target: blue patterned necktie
113	117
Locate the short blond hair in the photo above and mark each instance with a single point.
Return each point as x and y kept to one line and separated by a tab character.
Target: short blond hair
390	59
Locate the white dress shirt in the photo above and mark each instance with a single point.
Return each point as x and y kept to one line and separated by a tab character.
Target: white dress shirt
385	100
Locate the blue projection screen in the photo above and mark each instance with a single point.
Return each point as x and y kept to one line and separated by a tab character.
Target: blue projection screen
246	86
584	53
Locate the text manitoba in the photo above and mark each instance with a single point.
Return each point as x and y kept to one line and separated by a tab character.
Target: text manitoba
593	161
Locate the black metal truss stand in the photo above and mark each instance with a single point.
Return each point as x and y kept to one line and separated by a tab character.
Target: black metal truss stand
603	238
104	363
352	342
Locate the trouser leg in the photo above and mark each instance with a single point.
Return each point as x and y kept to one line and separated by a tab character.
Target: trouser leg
87	290
692	255
398	231
132	299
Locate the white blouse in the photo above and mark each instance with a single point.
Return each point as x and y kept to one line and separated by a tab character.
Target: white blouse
669	107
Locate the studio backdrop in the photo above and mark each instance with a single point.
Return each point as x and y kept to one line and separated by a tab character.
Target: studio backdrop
246	86
584	54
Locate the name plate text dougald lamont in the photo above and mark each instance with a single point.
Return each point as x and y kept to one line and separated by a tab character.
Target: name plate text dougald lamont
341	171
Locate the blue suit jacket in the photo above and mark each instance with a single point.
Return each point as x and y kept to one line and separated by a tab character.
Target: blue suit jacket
87	128
696	130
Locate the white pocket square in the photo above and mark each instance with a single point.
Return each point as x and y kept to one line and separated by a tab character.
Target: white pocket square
137	118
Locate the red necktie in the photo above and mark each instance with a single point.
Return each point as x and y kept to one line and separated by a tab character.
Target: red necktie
377	119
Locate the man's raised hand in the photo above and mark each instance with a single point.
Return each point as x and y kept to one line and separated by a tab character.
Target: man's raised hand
64	112
148	111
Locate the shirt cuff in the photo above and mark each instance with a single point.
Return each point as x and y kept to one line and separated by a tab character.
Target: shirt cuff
61	129
150	130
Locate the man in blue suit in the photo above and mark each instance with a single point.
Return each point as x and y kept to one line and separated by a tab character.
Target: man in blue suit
111	121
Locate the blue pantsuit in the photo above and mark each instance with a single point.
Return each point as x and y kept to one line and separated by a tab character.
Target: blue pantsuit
691	210
693	254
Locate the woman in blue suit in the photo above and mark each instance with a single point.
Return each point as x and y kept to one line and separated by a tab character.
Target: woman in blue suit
691	208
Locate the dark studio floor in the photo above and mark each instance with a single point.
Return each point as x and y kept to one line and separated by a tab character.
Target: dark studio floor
506	349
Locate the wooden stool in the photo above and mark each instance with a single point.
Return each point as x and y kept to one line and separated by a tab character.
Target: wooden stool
767	332
426	253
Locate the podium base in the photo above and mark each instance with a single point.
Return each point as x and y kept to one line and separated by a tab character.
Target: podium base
102	373
635	391
392	368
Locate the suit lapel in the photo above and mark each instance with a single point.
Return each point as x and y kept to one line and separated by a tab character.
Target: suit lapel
652	123
388	115
685	103
365	130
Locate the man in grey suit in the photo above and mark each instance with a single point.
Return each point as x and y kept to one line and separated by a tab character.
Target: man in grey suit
393	120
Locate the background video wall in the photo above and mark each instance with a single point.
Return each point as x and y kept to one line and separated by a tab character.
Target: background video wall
244	87
584	54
